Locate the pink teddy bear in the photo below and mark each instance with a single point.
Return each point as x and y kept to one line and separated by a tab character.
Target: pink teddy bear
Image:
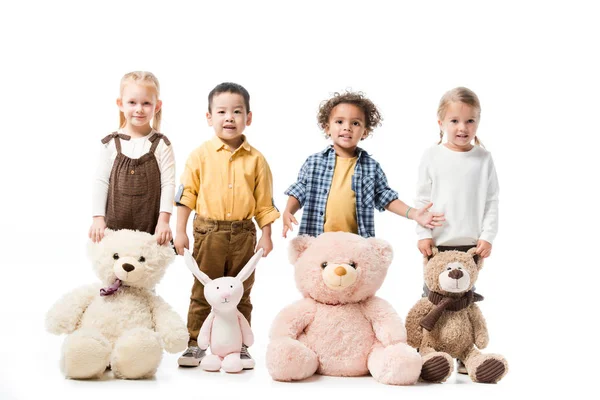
340	328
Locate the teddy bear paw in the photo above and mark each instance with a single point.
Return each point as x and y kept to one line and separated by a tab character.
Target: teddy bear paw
488	368
289	360
176	341
437	367
397	364
85	354
136	354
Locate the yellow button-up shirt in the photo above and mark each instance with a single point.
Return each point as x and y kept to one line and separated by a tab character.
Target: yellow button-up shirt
229	185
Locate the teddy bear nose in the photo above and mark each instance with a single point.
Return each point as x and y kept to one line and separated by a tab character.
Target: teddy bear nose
128	267
340	271
455	274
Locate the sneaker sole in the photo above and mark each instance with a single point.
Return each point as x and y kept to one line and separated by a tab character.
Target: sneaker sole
188	362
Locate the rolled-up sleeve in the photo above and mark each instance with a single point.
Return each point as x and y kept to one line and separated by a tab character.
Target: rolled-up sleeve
266	212
383	193
190	179
298	188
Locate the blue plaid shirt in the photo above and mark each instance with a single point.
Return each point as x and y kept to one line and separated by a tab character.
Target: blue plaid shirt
312	188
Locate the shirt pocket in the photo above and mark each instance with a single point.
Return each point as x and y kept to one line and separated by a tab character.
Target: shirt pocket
133	181
368	192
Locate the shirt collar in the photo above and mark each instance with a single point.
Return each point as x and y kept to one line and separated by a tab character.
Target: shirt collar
359	151
219	145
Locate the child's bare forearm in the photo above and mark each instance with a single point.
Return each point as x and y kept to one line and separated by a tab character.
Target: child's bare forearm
398	207
293	205
266	231
183	214
164	217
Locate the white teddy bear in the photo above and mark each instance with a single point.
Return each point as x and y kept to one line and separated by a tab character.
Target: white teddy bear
124	325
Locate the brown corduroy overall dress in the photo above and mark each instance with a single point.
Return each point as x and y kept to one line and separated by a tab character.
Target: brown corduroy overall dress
134	188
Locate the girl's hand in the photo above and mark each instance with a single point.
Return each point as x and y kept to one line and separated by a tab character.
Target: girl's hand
288	220
425	246
484	249
96	232
163	233
266	244
181	242
428	219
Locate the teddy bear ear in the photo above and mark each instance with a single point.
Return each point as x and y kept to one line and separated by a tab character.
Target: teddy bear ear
478	260
383	248
297	246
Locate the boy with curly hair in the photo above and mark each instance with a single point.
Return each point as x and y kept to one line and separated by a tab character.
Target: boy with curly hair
340	186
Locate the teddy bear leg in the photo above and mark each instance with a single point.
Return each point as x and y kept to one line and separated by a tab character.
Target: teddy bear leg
136	354
397	364
232	363
85	354
211	362
437	365
485	368
290	360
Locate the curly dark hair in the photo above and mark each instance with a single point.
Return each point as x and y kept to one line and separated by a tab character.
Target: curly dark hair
372	116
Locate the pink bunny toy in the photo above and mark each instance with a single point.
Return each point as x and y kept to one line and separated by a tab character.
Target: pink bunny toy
225	328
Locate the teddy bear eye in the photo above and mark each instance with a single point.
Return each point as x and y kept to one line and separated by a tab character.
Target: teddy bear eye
116	256
324	265
217	287
459	267
448	269
141	259
353	264
231	286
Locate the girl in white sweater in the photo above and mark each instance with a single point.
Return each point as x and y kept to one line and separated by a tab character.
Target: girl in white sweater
459	178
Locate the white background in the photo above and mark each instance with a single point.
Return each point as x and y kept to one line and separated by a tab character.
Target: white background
534	66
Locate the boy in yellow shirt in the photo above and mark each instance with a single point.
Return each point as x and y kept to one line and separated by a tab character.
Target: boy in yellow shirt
226	182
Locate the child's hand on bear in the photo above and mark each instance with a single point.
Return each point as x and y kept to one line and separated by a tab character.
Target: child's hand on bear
425	247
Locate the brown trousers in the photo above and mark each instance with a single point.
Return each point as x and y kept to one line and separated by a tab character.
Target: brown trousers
221	248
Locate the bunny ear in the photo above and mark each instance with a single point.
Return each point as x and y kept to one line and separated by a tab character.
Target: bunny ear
250	266
192	266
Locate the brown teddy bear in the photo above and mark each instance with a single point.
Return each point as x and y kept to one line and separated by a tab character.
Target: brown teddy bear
448	324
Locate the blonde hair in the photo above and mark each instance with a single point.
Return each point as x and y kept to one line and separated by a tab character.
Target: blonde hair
141	78
459	95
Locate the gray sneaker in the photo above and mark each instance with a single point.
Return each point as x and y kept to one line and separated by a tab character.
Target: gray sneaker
247	360
191	357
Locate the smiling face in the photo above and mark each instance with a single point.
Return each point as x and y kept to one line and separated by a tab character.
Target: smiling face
346	127
459	124
139	104
229	117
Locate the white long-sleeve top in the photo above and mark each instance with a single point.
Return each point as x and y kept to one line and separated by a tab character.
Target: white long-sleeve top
464	186
134	148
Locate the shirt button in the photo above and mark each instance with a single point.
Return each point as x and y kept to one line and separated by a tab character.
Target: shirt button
325	191
132	172
330	168
229	214
321	213
230	186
